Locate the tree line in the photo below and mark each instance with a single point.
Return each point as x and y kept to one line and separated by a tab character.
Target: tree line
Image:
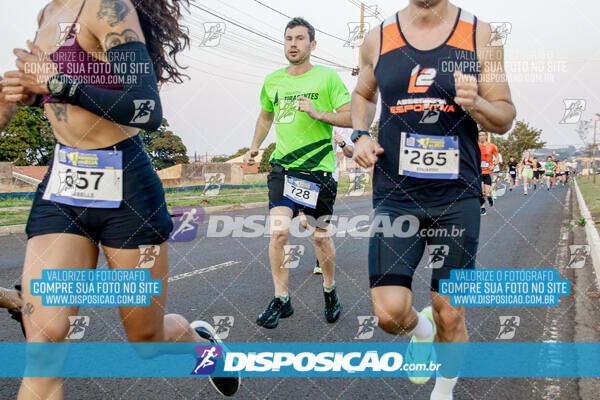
28	140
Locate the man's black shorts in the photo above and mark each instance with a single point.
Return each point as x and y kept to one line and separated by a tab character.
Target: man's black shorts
449	231
325	202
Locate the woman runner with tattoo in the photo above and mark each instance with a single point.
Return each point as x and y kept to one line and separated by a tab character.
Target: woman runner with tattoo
99	86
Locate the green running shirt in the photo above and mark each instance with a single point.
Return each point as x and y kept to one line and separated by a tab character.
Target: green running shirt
550	168
303	143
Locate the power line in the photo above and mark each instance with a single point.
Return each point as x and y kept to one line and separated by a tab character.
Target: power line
289	17
262	35
223	76
321	51
371	9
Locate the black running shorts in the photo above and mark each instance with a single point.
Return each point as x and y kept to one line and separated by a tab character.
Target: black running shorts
321	215
449	234
141	220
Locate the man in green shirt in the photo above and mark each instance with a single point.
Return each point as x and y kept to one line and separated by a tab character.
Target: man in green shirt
305	101
550	173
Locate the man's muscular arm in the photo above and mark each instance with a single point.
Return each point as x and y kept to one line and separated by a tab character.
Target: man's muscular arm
364	101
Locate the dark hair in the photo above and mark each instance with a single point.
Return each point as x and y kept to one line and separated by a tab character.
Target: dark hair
299	21
165	37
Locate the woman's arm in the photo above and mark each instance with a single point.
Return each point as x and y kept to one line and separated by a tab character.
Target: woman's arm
116	26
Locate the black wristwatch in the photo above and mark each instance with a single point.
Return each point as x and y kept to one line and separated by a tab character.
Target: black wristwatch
357	134
62	87
342	145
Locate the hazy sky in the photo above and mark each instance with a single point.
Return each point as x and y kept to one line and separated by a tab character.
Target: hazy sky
215	112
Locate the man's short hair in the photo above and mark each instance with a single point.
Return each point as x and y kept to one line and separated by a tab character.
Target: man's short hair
299	21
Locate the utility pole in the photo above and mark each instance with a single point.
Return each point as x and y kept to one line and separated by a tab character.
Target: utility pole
361	36
362	33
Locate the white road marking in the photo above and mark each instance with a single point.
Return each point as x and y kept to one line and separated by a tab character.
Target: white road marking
552	389
202	270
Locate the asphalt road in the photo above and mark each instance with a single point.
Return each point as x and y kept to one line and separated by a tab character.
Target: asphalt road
520	232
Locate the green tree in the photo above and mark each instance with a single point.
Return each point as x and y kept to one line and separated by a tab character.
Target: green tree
265	166
28	139
522	138
165	148
168	150
238	153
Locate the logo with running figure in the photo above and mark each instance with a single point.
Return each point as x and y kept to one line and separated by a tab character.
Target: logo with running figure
574	109
287	111
143	111
292	255
578	256
223	325
358	183
508	327
207	359
185	226
67	32
500	32
366	327
148	256
437	256
357	33
213	180
213	31
430	116
65	186
77	326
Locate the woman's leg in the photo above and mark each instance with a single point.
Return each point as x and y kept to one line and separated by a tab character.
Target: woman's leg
44	324
150	324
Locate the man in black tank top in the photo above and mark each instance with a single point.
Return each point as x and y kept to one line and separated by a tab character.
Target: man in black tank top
439	79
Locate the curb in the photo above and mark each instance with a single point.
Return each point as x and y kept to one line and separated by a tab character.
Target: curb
12	230
591	232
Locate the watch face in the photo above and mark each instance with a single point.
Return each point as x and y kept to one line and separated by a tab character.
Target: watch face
56	85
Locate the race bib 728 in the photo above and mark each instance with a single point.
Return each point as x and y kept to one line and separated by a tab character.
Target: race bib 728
301	191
